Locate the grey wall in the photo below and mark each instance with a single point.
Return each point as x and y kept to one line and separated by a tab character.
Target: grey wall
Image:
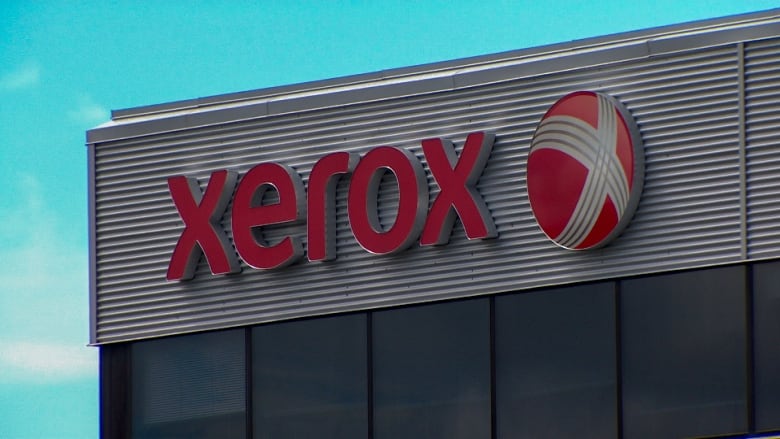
706	103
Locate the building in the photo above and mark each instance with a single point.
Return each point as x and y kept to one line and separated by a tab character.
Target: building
264	265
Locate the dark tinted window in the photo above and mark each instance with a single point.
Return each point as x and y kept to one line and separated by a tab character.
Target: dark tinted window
309	379
555	363
190	387
432	371
767	344
683	346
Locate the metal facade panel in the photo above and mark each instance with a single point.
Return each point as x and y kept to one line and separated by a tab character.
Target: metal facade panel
762	110
686	105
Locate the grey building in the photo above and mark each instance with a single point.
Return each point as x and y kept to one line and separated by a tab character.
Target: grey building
363	257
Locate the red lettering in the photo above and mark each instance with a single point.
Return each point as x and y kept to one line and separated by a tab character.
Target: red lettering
249	213
412	203
201	214
252	210
321	210
457	178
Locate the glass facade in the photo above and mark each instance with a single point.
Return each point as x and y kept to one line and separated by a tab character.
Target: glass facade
432	371
684	350
309	379
555	363
766	303
672	355
191	386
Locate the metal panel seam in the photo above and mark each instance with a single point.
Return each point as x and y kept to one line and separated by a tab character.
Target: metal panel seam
743	222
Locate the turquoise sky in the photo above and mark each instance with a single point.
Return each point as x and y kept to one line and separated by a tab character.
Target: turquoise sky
65	64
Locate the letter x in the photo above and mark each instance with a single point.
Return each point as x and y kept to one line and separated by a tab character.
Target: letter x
201	214
457	178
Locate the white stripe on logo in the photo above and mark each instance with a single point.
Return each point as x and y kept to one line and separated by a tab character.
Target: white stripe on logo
596	149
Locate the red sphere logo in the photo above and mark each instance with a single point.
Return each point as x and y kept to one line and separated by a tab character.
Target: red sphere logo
585	170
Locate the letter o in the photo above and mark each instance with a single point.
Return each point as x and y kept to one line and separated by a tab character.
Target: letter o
412	202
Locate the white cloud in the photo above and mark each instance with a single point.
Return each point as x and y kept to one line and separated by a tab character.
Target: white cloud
43	293
35	361
35	255
24	76
88	111
43	282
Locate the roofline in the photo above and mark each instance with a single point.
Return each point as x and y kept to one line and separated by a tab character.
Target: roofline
440	76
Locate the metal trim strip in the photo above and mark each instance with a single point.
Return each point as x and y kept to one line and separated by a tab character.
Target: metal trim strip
743	209
92	245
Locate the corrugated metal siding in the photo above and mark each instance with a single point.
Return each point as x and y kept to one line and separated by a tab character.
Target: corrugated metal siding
762	110
686	106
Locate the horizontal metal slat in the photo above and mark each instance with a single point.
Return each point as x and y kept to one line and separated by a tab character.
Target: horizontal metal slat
685	105
762	112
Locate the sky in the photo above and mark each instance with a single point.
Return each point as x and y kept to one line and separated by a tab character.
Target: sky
65	64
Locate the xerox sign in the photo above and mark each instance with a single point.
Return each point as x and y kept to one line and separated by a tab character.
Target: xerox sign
585	170
202	211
